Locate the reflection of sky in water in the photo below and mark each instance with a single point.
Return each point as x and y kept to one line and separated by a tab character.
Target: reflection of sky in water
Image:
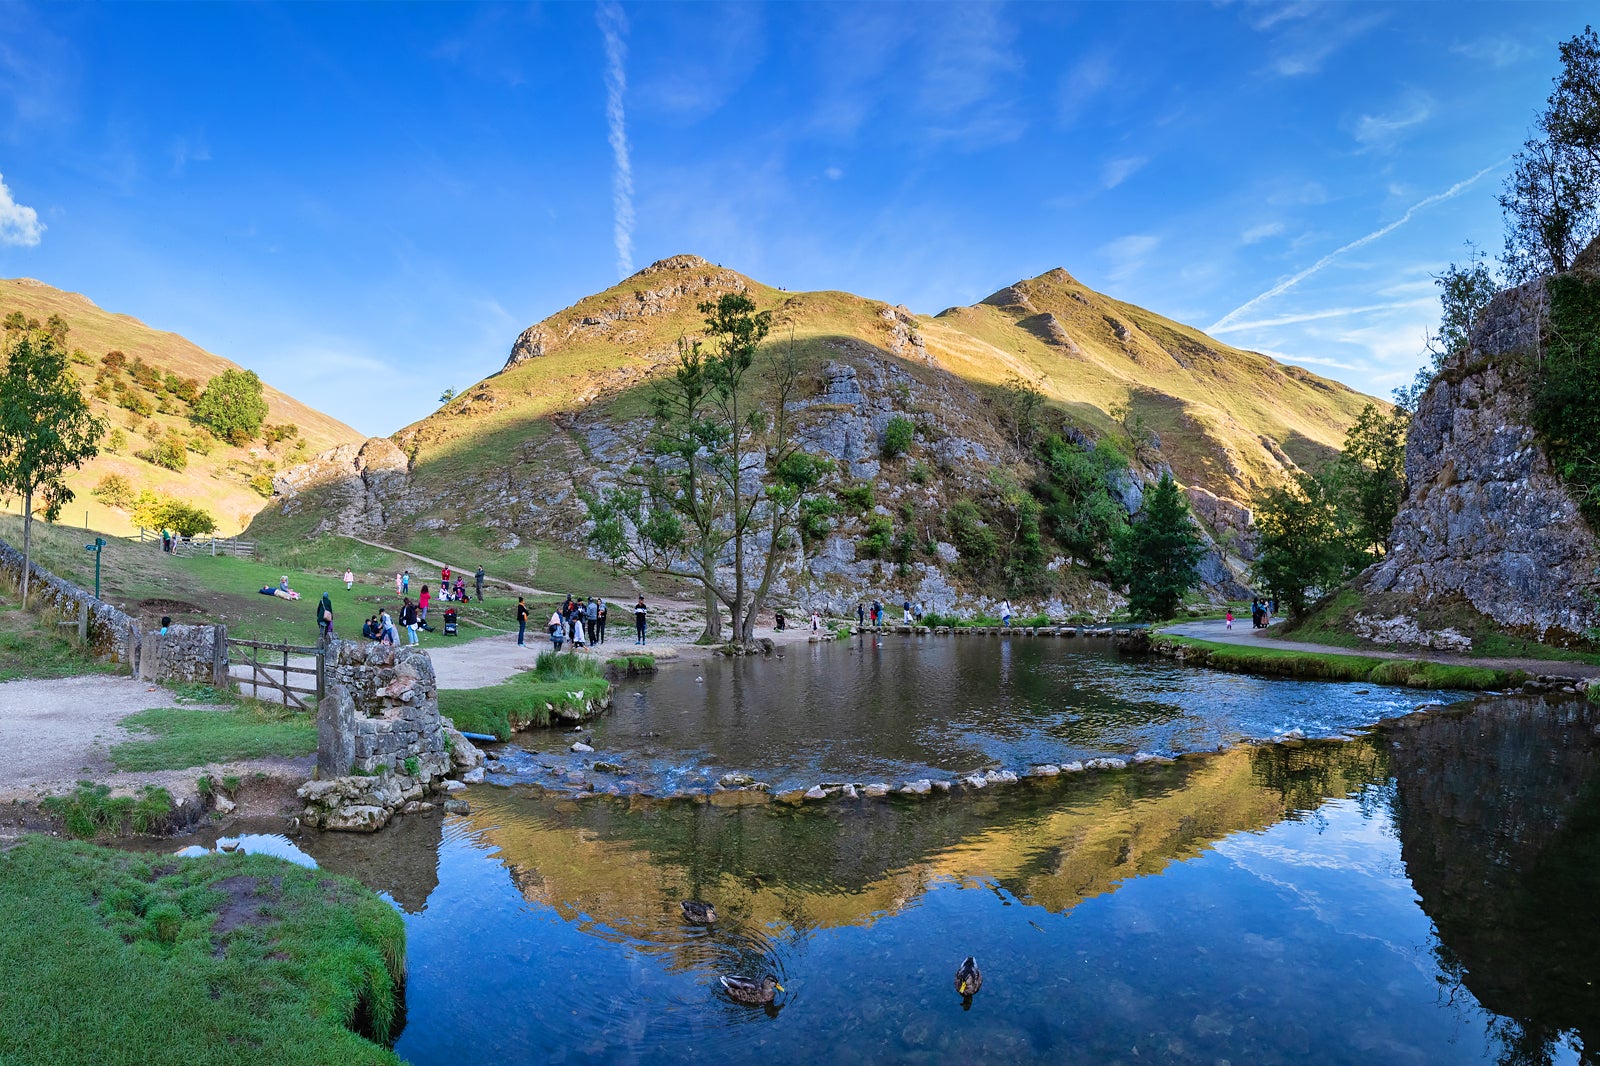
897	709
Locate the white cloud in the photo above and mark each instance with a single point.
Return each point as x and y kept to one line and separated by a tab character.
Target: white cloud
1117	171
186	151
966	52
1378	131
833	173
1495	51
1257	234
1290	282
1087	80
613	24
19	225
1127	254
1315	316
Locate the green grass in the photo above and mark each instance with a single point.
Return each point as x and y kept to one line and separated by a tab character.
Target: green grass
126	961
562	680
183	737
90	810
32	647
632	664
1330	666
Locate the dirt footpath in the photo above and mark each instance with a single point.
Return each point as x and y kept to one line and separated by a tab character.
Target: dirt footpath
54	733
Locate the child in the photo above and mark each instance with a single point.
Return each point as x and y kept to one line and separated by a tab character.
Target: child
1230	617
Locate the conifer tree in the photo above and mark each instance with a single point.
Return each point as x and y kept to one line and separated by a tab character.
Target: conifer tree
1158	555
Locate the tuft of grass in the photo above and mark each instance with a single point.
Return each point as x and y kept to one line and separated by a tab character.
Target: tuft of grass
632	664
1328	666
557	680
183	737
35	648
135	963
90	810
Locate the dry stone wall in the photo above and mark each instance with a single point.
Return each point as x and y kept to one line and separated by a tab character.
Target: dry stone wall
113	635
382	747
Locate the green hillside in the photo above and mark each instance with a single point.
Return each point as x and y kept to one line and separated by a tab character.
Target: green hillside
144	397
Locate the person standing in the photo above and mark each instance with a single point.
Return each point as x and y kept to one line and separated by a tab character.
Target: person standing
591	618
405	582
1230	617
816	621
579	621
906	606
325	618
408	618
422	608
522	622
558	629
397	590
444	576
1005	613
861	616
349	580
639	613
387	633
478	580
600	621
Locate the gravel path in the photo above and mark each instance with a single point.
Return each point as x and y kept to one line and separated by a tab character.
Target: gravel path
1218	633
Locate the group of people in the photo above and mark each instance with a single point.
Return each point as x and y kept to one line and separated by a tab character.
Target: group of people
911	612
581	621
1261	612
450	593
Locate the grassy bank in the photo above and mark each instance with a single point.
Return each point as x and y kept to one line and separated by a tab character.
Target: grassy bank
176	738
557	680
33	647
1332	667
118	958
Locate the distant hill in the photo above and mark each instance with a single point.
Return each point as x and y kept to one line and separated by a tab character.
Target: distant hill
504	461
219	481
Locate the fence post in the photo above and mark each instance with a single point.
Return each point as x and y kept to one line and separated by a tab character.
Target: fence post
83	621
322	672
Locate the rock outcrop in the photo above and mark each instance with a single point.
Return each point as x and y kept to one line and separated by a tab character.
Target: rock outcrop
1486	519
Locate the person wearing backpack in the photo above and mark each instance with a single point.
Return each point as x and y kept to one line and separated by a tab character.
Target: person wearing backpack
522	622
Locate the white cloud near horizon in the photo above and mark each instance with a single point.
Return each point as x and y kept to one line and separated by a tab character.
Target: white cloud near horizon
19	224
1127	254
1317	316
613	24
1288	283
1117	171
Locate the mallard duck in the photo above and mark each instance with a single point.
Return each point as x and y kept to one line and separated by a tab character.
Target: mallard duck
700	913
969	978
749	990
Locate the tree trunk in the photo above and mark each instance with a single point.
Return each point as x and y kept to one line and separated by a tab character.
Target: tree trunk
27	543
712	634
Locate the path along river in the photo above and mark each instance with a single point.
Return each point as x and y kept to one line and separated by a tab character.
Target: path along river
1420	892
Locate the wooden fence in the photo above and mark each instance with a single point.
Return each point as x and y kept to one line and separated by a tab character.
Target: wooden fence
268	666
213	546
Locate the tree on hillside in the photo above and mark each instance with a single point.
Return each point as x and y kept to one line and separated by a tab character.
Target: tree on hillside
722	479
1465	289
232	406
1158	555
1551	199
45	430
154	510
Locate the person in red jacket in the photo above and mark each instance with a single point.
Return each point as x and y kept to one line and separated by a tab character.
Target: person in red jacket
422	610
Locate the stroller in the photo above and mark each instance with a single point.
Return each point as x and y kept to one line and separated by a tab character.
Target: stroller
450	622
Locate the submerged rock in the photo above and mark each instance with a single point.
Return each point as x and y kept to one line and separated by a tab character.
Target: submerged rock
1106	764
920	787
736	780
875	790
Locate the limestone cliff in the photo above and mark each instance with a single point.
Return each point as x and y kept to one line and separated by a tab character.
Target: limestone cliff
1485	519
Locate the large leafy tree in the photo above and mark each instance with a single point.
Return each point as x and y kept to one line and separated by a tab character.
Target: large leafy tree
1305	547
1158	556
1370	476
232	406
45	430
1551	199
723	483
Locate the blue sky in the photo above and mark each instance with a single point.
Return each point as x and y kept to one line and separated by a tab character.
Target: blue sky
366	203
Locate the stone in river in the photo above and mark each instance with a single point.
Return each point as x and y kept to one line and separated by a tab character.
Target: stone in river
975	781
1046	770
815	793
581	746
876	789
920	787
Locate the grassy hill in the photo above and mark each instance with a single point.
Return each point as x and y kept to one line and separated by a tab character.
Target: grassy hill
219	480
503	463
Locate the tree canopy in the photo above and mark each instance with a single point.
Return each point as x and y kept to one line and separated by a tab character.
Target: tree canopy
232	406
1158	556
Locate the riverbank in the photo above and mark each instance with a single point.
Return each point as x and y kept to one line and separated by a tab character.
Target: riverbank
121	958
1213	644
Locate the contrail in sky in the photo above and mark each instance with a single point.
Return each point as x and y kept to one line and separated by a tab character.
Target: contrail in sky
613	24
1281	287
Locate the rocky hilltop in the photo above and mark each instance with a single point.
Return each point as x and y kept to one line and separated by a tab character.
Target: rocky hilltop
504	463
1486	524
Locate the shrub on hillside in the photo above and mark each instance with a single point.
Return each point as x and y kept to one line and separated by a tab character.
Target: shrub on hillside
897	436
153	510
167	452
114	490
858	498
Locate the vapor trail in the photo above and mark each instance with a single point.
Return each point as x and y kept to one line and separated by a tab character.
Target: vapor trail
613	25
1288	283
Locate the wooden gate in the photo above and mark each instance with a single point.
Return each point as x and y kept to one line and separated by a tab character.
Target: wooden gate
268	666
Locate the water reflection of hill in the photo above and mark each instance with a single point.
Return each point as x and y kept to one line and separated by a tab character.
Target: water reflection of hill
1499	818
1051	845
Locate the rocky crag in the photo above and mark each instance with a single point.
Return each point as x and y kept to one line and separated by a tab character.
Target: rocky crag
508	458
1486	524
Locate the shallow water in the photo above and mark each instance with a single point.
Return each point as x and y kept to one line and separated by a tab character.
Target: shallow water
898	708
1424	892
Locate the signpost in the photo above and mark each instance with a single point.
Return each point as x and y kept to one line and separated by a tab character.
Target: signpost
99	542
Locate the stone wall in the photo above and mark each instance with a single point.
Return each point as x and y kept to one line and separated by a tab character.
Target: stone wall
196	654
380	713
1485	518
113	635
